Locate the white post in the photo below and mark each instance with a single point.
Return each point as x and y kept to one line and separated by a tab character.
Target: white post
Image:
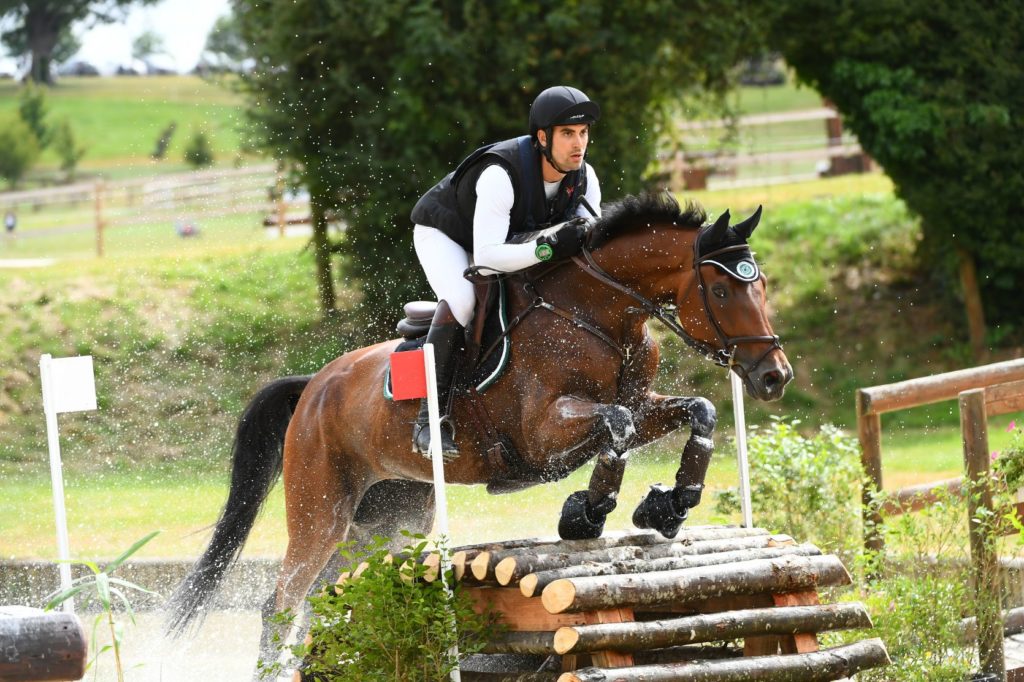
440	496
56	477
741	448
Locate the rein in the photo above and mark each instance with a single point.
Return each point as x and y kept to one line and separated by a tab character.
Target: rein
667	314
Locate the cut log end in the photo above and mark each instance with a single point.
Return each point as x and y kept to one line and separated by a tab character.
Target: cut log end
504	570
480	565
565	640
459	564
569	677
558	596
528	585
432	563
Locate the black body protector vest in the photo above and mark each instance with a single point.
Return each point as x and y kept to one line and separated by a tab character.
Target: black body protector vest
449	205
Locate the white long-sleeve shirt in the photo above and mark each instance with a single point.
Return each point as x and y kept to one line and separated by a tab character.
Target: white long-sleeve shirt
493	215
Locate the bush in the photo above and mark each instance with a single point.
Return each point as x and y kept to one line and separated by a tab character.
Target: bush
32	110
389	624
19	149
198	152
808	487
67	148
162	142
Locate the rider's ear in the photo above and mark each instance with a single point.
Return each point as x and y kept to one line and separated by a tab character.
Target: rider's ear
542	138
745	228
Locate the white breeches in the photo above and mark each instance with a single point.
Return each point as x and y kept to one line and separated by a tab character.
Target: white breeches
444	261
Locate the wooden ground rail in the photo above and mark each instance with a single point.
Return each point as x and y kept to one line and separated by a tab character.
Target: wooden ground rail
634	606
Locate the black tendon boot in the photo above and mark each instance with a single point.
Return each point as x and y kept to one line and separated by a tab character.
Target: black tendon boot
447	336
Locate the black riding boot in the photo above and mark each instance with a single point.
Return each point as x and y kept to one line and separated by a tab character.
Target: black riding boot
447	335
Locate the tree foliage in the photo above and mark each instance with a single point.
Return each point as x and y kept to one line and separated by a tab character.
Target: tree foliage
147	44
934	90
67	147
377	101
37	27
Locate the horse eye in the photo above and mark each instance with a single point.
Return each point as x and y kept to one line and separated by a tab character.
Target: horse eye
719	291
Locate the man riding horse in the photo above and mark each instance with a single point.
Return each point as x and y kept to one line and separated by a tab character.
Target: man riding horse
484	213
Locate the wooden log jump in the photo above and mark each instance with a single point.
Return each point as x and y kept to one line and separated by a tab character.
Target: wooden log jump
636	606
43	646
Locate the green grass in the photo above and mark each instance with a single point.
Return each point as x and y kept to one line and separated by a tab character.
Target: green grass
109	508
120	118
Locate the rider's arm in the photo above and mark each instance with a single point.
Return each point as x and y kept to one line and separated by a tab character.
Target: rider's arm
593	195
494	199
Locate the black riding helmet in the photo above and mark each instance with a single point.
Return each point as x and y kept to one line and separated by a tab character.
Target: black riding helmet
560	105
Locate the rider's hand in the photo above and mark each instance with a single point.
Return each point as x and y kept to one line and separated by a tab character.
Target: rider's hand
566	241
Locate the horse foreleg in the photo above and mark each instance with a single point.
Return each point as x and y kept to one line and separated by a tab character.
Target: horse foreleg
664	509
585	511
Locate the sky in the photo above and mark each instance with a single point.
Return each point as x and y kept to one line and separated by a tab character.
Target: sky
183	25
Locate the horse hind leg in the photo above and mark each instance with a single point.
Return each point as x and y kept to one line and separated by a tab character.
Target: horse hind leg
664	509
385	509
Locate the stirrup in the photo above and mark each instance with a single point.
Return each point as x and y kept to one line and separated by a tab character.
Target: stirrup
447	439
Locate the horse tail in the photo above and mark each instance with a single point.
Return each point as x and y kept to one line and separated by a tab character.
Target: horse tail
257	460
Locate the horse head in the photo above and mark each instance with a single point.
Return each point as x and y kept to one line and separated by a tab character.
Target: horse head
723	305
707	272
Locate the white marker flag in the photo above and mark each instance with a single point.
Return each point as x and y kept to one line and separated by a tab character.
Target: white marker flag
68	386
72	384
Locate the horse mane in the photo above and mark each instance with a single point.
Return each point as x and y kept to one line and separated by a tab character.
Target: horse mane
636	211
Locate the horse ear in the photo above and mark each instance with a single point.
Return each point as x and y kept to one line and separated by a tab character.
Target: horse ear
745	228
716	234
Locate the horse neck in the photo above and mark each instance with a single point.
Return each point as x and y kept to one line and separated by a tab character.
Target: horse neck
656	275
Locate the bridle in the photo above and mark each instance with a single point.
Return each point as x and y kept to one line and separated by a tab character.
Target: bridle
725	356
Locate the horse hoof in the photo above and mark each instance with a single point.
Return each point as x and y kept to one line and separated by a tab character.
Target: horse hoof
575	523
657	511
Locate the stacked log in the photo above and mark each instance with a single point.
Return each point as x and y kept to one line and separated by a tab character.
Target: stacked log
714	603
41	646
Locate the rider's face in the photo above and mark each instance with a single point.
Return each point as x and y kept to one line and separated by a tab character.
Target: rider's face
568	145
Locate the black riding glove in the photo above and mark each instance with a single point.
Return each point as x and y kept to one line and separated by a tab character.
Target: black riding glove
566	241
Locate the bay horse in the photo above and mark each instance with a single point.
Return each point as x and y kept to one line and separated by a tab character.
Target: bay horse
578	388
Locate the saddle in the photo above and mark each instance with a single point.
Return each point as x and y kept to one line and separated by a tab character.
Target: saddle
490	322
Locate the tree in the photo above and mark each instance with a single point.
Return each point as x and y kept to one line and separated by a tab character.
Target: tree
377	101
19	149
67	148
226	41
198	153
934	90
32	110
147	44
37	26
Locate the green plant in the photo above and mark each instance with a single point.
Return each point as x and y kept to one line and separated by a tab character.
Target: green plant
806	486
198	152
67	147
19	149
32	110
102	587
388	623
1009	463
920	591
162	142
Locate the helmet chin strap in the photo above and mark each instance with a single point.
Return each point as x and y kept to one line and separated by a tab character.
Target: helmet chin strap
545	149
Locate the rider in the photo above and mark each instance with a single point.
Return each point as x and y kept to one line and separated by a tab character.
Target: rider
485	211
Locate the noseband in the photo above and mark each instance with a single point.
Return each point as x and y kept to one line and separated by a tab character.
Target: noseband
669	314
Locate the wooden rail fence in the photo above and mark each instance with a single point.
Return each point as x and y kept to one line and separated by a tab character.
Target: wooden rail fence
982	392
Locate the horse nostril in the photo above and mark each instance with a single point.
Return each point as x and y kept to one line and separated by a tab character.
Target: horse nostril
773	379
